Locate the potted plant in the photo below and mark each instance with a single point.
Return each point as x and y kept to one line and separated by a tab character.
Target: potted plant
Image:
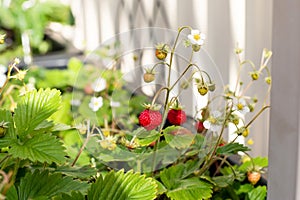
97	141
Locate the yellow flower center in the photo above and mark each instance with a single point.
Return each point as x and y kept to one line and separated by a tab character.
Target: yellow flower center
197	37
240	106
213	120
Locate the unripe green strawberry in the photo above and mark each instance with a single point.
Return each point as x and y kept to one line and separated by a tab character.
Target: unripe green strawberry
150	119
176	116
149	77
253	177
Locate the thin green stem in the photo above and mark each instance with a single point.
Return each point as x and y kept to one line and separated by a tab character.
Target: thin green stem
257	115
158	93
16	169
252	162
159	63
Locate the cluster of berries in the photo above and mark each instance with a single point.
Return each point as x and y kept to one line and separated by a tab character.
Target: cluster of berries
151	118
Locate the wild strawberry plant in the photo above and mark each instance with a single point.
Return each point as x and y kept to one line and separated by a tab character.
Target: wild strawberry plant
114	148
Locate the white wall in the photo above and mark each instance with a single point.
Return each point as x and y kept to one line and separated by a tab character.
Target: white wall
284	161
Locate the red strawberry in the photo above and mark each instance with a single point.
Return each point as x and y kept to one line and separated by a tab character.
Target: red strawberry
150	119
199	126
253	177
176	116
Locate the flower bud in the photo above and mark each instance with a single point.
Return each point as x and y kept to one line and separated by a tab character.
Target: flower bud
268	80
238	50
196	47
211	87
254	75
245	132
267	53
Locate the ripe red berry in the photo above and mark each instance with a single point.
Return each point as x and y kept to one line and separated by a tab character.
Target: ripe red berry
150	119
176	117
199	126
253	177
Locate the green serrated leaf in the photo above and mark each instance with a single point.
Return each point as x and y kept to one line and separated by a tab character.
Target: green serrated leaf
178	137
43	184
259	162
34	108
12	193
191	188
175	174
123	186
77	172
42	148
145	140
73	196
231	148
160	187
245	188
223	181
258	193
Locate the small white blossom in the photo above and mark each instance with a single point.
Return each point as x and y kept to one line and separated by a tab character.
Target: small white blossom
99	85
196	37
240	105
96	103
26	88
213	122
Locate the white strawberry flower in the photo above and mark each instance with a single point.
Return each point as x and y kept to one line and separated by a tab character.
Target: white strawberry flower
99	85
96	103
240	105
213	122
196	37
